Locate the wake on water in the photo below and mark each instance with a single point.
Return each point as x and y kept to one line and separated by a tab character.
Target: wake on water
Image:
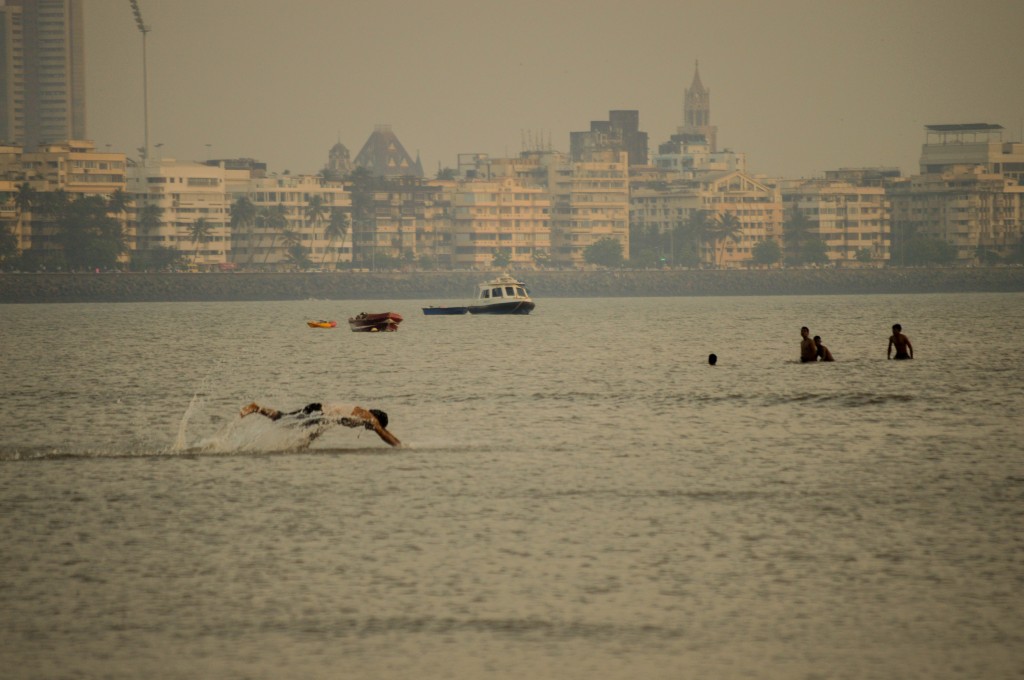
253	434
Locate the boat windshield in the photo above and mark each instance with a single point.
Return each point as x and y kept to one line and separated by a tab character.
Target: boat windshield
521	292
496	292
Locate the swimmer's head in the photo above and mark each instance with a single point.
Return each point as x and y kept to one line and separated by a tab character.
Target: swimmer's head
897	327
381	417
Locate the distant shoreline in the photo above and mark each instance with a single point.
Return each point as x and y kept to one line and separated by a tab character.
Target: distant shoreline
48	287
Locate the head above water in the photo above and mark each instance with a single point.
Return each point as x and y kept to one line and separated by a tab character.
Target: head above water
896	328
712	359
381	417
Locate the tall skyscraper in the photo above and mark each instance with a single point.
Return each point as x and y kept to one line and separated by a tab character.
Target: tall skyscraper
697	111
42	71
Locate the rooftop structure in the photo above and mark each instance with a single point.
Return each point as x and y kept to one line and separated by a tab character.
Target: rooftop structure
384	155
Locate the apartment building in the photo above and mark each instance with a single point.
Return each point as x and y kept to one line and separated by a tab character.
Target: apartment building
852	221
589	202
958	147
755	207
400	219
291	225
42	71
181	206
488	216
977	212
690	154
74	168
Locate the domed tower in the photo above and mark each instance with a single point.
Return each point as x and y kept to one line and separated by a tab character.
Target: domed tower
339	161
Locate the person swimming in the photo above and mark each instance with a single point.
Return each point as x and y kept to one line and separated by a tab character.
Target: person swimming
316	415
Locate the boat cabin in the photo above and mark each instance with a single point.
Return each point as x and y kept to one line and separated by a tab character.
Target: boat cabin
510	292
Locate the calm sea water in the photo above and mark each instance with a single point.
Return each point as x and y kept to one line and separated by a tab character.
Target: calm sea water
581	495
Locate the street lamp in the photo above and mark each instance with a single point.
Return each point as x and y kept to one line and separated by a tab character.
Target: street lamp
143	29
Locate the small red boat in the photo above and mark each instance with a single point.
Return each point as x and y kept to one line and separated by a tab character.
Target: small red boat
374	323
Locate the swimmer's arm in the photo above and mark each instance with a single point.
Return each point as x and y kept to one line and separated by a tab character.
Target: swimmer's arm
910	348
888	352
387	436
361	418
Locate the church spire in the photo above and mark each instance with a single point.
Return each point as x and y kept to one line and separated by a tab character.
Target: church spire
696	85
697	110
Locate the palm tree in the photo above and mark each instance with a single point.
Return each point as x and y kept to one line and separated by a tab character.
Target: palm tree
337	227
197	233
274	218
727	227
701	225
150	218
243	217
54	203
795	230
118	202
23	201
316	211
297	255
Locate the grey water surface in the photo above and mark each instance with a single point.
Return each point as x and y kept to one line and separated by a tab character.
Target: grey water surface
579	495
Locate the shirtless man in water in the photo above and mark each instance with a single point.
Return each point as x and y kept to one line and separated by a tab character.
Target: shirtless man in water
808	350
313	415
904	350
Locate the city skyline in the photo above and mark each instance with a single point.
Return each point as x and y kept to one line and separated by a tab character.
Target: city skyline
793	93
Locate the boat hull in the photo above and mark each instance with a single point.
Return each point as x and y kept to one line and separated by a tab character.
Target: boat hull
375	323
511	307
444	311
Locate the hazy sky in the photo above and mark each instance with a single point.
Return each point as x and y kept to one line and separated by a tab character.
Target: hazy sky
800	86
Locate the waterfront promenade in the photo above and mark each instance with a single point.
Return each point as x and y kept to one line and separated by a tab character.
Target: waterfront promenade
52	287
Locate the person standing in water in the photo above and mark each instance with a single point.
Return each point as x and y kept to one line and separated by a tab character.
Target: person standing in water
904	350
808	350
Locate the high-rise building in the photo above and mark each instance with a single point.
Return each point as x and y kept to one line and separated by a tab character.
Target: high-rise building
621	132
42	72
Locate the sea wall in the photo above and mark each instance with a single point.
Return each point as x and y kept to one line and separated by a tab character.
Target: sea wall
47	287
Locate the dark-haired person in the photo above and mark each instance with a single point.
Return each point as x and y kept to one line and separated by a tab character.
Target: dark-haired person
904	350
823	353
808	350
316	414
